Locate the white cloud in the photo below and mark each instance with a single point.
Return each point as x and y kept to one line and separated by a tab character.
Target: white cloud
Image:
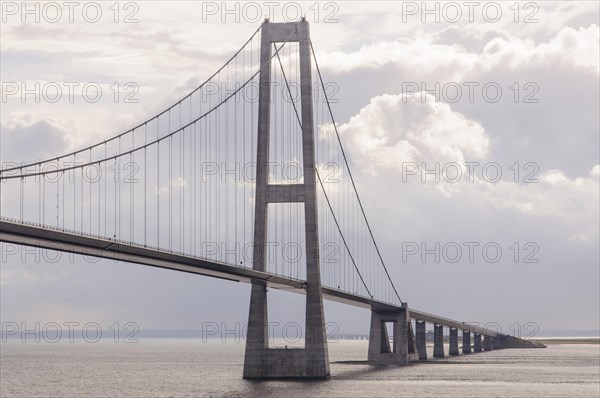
423	52
570	47
389	132
555	195
25	138
393	129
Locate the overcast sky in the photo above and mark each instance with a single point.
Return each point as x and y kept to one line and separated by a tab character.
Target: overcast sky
379	54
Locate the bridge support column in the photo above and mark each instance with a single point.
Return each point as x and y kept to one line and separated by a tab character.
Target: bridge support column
438	341
487	343
453	337
380	350
466	348
477	342
411	339
496	343
505	341
262	362
421	339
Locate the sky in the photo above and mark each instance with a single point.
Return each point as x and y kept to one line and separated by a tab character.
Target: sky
484	90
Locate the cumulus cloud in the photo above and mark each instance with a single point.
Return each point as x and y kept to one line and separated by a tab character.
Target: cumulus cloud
394	129
430	52
24	138
570	47
554	196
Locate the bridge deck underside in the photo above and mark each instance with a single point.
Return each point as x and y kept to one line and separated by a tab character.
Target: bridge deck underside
43	237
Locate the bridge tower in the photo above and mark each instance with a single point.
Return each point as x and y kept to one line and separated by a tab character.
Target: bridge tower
262	362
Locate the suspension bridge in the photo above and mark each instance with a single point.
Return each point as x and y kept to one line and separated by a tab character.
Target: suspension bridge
243	179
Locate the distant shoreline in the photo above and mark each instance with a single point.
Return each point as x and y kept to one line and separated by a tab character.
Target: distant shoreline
567	340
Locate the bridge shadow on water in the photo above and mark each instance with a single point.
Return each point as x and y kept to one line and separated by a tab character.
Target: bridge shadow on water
356	369
345	371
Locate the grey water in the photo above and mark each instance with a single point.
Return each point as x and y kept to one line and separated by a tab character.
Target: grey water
193	368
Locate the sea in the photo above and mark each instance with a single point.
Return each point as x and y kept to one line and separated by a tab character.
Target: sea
185	367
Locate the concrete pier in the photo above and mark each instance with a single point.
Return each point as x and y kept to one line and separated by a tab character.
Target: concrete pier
421	340
476	342
453	338
380	350
411	339
487	343
466	348
438	341
496	343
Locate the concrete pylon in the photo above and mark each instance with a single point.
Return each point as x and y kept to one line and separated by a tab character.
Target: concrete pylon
411	339
466	348
380	350
438	340
262	362
421	339
487	343
453	339
477	342
496	343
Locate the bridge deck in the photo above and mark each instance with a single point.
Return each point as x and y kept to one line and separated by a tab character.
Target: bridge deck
55	239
